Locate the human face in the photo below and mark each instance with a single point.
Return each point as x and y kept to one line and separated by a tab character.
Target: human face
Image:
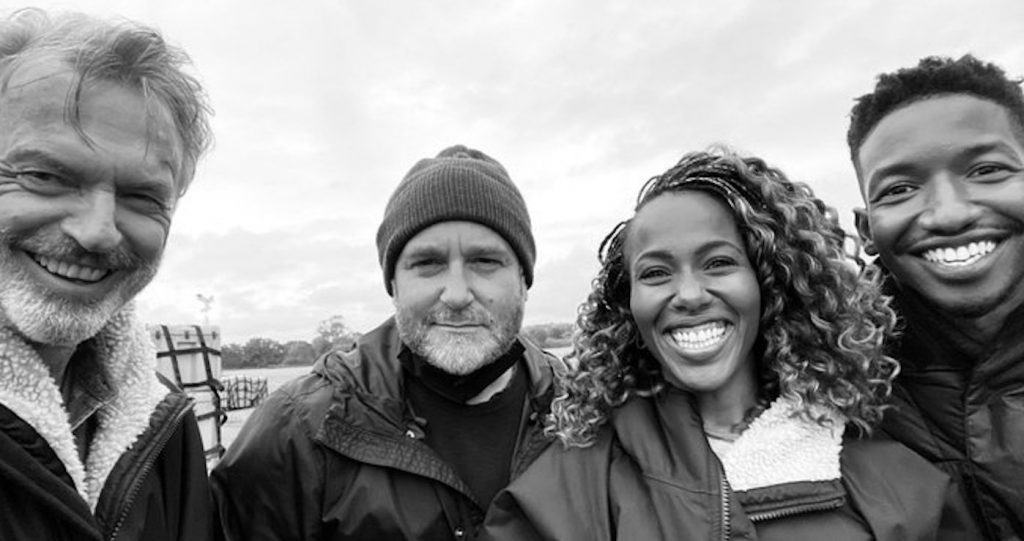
82	222
459	296
694	295
943	180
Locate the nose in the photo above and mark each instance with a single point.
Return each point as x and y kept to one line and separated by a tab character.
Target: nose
691	293
457	293
950	209
93	222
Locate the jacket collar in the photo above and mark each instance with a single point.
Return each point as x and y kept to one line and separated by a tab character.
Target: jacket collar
128	357
663	435
782	446
373	374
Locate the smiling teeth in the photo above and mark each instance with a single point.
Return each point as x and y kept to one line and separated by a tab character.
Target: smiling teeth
961	255
70	271
699	337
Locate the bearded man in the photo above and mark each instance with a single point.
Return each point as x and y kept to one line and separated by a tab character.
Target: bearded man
100	131
411	434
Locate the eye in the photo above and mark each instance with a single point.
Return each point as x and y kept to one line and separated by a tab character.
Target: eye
720	262
146	202
486	261
41	180
894	192
988	171
653	275
425	263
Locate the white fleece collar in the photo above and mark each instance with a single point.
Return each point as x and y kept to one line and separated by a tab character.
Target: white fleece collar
782	447
129	357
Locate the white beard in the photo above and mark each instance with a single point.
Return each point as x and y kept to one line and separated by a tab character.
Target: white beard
46	318
456	353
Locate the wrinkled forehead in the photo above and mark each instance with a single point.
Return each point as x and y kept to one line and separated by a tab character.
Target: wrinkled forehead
43	87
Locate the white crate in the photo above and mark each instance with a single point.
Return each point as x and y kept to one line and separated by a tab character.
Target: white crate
183	347
209	412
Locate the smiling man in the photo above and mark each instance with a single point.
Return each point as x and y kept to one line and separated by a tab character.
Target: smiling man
939	152
410	435
100	131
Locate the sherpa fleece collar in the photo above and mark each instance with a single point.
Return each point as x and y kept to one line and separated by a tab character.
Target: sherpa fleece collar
781	446
129	358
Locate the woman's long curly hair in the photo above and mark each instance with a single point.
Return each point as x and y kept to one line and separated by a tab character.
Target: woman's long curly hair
823	316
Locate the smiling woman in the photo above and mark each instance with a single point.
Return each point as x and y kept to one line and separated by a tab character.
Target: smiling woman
726	308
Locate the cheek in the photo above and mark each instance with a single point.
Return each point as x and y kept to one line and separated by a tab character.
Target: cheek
144	235
644	312
24	212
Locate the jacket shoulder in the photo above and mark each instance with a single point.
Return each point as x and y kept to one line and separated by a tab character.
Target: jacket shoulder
562	495
881	475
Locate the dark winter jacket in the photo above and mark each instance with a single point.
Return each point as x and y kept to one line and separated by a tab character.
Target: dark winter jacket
651	476
960	404
145	475
337	455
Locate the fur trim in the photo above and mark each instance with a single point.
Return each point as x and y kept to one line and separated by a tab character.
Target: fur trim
781	446
28	390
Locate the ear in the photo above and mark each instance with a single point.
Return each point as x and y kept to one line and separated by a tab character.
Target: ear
860	217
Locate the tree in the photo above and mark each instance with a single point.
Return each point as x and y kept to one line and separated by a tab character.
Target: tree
232	356
332	333
260	352
299	353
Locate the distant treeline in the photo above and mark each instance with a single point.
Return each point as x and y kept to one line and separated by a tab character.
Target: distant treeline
333	333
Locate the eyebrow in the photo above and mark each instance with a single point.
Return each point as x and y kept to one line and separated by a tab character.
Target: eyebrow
665	255
49	160
966	154
37	157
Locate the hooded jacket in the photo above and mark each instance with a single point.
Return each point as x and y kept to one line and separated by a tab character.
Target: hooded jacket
145	473
338	455
960	404
651	475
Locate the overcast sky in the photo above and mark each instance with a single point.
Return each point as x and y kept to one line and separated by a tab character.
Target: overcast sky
322	107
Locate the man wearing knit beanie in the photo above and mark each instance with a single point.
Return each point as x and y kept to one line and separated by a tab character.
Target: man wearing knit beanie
411	434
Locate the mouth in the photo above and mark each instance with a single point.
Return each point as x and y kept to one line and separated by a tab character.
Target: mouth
70	271
962	255
701	337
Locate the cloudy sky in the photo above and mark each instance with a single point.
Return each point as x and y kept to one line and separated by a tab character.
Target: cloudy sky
321	108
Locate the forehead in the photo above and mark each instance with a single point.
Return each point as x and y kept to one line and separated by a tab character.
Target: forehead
456	235
681	220
935	125
34	108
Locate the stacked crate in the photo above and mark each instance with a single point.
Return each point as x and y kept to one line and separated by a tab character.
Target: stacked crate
189	355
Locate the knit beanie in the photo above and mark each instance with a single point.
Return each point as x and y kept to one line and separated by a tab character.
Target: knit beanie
460	184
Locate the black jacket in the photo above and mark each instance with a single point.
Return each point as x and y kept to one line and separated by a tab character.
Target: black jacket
960	404
157	490
651	475
337	455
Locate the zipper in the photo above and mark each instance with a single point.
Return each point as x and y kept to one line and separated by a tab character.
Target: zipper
167	430
834	503
726	519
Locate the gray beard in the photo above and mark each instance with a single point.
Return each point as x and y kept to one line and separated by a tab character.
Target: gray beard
46	318
459	354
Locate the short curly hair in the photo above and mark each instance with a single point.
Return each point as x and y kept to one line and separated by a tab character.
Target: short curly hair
933	76
823	317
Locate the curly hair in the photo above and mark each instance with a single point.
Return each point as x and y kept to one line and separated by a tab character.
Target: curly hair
933	76
823	317
122	52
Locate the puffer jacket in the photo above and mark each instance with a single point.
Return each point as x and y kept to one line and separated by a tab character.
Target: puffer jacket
145	475
337	455
651	475
960	404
